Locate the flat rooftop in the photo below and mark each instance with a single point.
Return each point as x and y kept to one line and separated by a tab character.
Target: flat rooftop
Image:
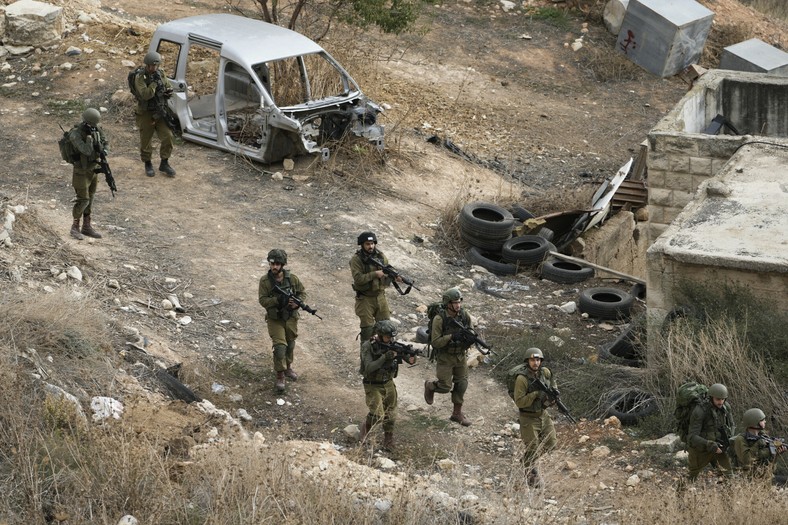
738	218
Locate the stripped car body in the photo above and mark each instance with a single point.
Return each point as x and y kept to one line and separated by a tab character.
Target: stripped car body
259	90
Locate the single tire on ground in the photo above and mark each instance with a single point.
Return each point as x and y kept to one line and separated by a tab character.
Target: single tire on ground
604	354
631	406
526	249
484	243
606	303
482	219
490	262
565	272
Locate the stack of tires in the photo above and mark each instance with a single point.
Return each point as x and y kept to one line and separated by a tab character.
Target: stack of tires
485	226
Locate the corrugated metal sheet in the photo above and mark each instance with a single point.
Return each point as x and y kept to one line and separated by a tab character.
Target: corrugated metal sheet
631	192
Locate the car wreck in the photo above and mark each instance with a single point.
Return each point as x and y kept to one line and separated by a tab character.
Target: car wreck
260	90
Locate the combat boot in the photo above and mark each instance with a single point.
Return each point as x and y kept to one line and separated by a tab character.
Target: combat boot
290	373
280	381
458	417
149	169
165	167
388	441
75	233
429	392
533	478
364	429
87	228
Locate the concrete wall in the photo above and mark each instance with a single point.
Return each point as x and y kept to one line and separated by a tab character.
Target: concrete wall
680	157
733	232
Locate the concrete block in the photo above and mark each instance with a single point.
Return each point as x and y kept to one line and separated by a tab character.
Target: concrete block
655	213
656	177
660	197
717	164
657	161
671	213
701	165
756	56
680	144
664	36
680	181
613	15
679	163
682	198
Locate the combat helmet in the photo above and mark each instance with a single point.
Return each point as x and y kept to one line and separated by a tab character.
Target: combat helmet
91	116
753	417
452	294
367	236
533	352
152	58
719	391
277	256
385	327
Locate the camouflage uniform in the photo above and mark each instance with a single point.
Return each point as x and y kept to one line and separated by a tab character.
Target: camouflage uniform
149	119
84	177
282	321
754	455
371	303
380	392
536	425
704	437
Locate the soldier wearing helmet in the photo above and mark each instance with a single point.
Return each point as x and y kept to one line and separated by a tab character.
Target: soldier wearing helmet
755	453
379	366
369	283
88	141
152	88
451	349
536	425
710	429
281	313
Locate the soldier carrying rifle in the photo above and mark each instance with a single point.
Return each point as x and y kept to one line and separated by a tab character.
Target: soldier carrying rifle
152	88
88	143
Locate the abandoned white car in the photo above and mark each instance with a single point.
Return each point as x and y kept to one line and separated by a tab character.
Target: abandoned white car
259	90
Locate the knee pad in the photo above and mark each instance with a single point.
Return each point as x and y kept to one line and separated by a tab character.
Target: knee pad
460	386
366	333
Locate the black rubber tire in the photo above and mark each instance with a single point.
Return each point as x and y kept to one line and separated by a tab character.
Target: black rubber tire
606	303
484	243
631	406
481	219
526	249
488	261
520	213
565	272
421	335
638	291
604	354
547	233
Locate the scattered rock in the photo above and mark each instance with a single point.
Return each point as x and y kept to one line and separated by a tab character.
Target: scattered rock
633	480
600	452
668	442
74	273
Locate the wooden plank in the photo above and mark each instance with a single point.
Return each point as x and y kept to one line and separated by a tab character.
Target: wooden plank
640	164
583	262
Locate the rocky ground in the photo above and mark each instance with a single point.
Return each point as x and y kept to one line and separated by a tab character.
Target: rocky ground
527	108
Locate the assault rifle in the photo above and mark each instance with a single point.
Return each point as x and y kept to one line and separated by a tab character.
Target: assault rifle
775	444
554	396
162	109
301	304
469	335
391	272
105	169
726	439
404	352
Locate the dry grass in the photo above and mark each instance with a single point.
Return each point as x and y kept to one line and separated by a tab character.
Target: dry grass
604	64
772	8
720	37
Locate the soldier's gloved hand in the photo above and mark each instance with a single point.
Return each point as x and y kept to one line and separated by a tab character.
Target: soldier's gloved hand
557	392
390	355
168	92
457	337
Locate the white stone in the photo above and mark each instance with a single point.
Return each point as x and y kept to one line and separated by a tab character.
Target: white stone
74	273
384	463
277	176
612	421
633	480
31	23
645	474
668	442
446	464
243	414
382	505
128	519
557	341
569	307
113	283
183	321
600	452
506	5
288	164
613	15
166	304
128	63
105	408
583	439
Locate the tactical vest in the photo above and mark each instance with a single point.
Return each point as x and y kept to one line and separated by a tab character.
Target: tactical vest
385	373
281	312
375	286
544	376
449	328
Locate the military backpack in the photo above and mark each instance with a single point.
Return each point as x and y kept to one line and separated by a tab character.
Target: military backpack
67	150
511	377
688	396
132	82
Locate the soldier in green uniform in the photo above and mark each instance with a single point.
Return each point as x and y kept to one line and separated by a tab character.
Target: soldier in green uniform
755	452
87	139
710	428
451	349
536	425
152	87
281	313
369	283
379	367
